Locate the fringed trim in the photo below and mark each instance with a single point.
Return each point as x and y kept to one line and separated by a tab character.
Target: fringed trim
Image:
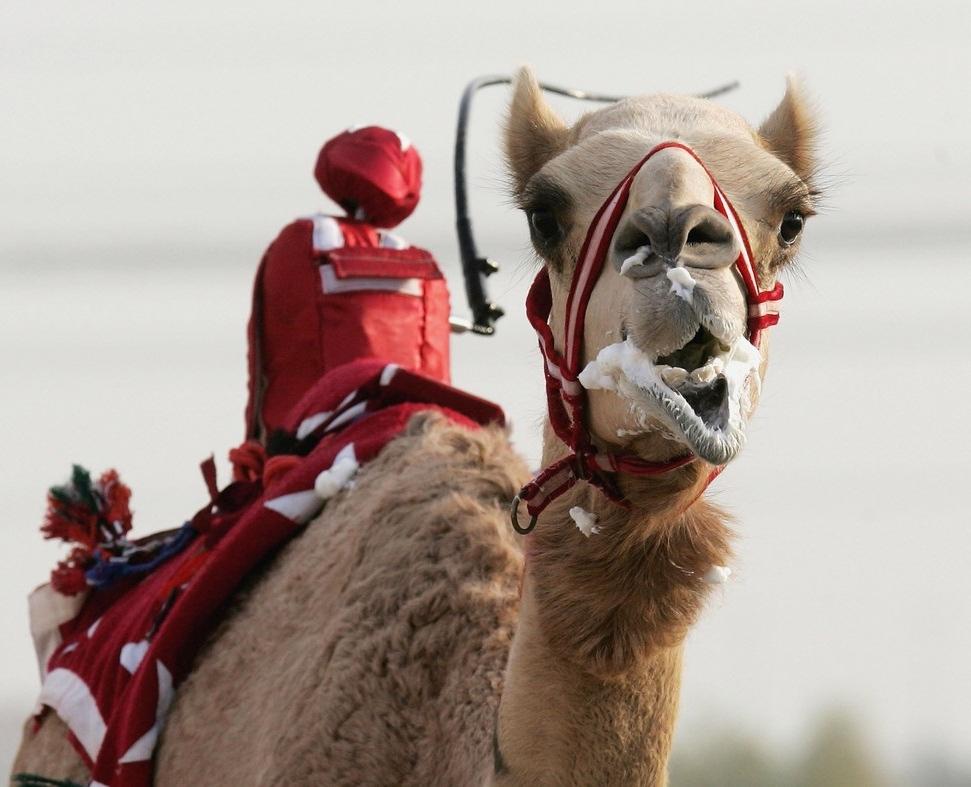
92	516
248	459
251	462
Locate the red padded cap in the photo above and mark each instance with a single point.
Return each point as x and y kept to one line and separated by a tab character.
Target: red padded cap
373	169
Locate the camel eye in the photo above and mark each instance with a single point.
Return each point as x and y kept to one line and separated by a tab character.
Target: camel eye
544	225
790	228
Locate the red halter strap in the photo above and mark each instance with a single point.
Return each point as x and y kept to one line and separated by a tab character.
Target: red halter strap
566	398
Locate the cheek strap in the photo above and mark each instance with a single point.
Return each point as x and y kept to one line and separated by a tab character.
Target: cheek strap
566	399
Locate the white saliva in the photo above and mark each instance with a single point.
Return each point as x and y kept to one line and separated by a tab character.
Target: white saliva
630	372
635	259
585	521
716	575
682	284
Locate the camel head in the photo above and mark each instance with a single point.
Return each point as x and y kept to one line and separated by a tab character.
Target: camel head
665	356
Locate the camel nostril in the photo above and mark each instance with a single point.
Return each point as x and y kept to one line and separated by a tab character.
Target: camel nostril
630	239
708	231
696	234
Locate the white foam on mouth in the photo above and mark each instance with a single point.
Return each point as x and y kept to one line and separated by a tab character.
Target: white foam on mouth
635	259
682	284
619	366
633	374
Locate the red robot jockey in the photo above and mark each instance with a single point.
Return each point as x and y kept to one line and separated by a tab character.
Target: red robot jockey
333	289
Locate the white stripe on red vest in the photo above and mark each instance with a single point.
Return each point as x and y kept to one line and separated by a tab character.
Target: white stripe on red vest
327	233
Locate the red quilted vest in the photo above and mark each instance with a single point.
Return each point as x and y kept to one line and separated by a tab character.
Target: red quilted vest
332	290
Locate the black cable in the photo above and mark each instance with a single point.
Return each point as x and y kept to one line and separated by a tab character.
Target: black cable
476	268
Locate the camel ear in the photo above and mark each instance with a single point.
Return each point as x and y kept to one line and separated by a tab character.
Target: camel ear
534	132
790	131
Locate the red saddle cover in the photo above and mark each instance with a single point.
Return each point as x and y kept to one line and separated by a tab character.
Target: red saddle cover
114	665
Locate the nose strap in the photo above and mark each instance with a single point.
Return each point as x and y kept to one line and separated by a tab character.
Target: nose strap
566	398
763	311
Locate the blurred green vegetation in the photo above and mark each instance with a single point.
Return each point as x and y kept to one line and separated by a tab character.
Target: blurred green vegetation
835	754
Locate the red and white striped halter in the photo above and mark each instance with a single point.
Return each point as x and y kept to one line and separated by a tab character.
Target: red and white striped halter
566	398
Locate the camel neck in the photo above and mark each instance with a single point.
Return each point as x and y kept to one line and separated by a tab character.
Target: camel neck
560	724
592	684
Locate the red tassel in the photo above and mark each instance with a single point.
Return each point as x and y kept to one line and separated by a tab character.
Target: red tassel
278	466
68	578
248	459
89	516
70	521
116	498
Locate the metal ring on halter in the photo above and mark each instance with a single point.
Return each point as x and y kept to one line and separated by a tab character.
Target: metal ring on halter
514	516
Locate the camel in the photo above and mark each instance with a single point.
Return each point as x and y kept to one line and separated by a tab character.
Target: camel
407	635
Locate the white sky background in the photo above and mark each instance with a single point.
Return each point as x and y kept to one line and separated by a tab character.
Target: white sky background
148	154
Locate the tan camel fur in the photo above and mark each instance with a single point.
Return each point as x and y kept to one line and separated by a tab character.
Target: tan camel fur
388	643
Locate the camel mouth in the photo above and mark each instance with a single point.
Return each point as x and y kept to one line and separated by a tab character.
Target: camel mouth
699	350
709	401
701	394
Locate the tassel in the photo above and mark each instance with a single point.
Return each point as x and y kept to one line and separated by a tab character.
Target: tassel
248	459
69	575
72	513
278	466
116	497
92	516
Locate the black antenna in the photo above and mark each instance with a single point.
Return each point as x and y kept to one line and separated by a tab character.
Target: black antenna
476	268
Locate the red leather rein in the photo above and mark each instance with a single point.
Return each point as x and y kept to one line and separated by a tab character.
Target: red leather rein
566	398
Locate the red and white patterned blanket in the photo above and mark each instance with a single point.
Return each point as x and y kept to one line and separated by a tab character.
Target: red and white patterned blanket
110	671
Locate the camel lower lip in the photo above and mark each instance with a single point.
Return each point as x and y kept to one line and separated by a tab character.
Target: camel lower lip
704	407
708	400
